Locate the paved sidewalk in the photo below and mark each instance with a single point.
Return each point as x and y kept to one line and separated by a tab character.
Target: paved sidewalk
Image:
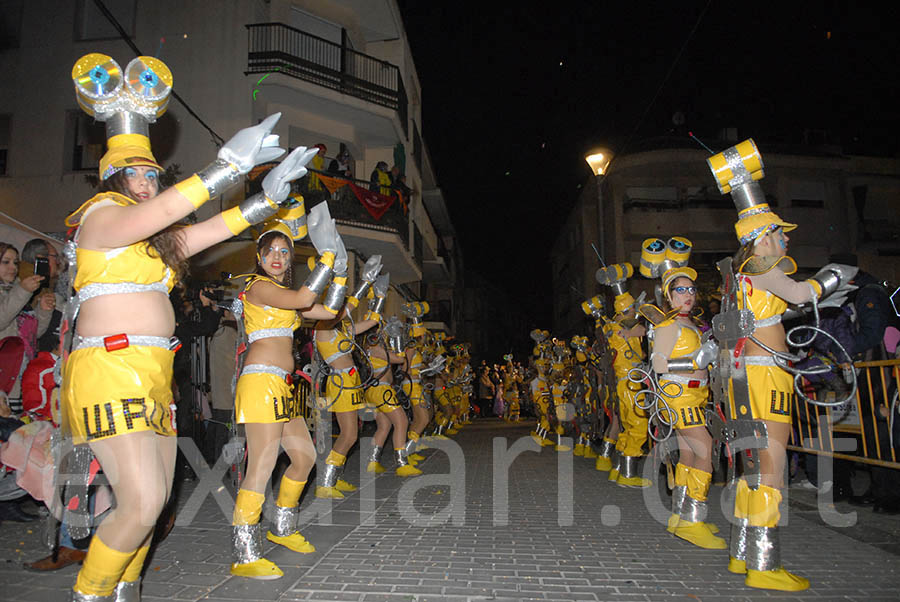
603	544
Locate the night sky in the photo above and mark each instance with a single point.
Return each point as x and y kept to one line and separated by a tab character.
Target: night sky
514	97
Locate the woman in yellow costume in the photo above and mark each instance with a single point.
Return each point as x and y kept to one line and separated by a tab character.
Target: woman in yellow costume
344	395
680	361
414	364
385	349
126	257
760	391
264	401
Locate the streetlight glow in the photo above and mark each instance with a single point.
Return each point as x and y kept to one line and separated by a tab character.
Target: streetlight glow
598	161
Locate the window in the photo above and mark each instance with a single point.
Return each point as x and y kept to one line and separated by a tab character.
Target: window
85	142
4	143
91	24
10	24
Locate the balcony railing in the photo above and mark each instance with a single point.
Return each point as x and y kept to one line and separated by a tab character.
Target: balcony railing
346	208
279	47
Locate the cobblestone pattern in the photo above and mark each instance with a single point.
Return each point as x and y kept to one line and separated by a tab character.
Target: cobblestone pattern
610	547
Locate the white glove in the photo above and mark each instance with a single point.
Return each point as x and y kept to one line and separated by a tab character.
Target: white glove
322	230
252	146
372	268
277	183
340	258
380	287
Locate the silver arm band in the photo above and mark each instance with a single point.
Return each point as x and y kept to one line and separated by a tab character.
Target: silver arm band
219	176
257	208
681	364
376	304
319	278
334	298
829	280
362	289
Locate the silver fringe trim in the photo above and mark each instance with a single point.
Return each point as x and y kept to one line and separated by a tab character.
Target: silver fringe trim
128	591
679	492
264	369
284	522
79	597
98	289
606	449
763	551
375	454
267	333
334	298
218	177
330	475
628	467
319	278
693	510
246	543
257	208
401	457
133	339
738	547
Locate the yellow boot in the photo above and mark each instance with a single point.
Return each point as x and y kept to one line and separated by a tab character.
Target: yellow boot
247	539
764	570
579	449
374	465
328	489
693	509
628	474
616	464
284	531
404	468
589	452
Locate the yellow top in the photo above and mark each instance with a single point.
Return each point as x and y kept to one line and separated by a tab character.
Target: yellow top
340	344
265	317
763	303
688	340
378	363
137	263
629	352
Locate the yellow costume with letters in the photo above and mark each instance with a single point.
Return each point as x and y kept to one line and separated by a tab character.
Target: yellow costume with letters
381	396
690	405
263	394
342	389
123	390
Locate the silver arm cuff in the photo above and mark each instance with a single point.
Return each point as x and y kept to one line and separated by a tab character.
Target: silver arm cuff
828	280
257	208
219	176
334	298
681	364
319	278
376	305
362	289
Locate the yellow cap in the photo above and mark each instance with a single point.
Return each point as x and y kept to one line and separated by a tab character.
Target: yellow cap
674	273
126	150
757	221
274	225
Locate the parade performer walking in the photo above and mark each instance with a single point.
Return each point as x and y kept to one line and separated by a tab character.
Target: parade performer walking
680	361
270	311
757	390
384	349
344	394
125	258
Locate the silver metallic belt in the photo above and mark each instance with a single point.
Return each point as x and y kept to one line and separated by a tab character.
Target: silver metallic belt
97	289
683	380
266	333
170	343
760	360
264	369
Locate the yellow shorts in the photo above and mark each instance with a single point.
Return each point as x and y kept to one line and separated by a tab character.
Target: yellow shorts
265	398
343	392
382	398
771	394
109	393
689	407
414	392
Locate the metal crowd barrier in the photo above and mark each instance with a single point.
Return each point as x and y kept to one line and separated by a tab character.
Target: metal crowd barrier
815	428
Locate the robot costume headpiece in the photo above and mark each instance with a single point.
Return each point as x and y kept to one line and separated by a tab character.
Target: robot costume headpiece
594	306
616	276
667	260
415	311
127	101
394	332
737	170
538	336
290	221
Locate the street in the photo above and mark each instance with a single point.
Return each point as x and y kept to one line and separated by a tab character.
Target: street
600	544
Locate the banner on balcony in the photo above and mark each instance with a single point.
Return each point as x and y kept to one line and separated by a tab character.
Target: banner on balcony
332	184
376	204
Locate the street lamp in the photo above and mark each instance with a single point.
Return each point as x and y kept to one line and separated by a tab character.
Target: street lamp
599	160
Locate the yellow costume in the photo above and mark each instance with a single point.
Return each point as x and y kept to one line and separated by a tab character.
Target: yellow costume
124	383
263	393
342	389
689	406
